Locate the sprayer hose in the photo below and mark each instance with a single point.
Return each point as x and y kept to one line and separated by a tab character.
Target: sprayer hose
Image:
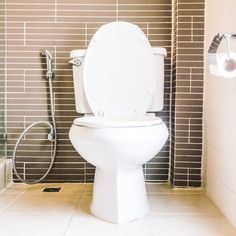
52	136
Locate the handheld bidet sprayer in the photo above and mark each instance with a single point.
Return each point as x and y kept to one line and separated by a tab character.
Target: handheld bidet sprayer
48	56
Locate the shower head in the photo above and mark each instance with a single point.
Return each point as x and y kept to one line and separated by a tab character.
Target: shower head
48	56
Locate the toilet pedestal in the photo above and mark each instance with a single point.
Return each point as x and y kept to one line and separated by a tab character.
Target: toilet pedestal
119	195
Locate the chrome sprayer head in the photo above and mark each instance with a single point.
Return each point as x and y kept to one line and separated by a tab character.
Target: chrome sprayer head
48	56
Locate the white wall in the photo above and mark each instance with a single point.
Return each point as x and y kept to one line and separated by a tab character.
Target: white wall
220	116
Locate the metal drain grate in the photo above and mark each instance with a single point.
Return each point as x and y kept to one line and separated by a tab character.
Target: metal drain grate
52	189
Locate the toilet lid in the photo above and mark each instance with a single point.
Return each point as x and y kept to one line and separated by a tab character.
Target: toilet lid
119	72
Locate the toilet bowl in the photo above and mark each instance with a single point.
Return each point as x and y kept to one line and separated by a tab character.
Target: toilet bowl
117	80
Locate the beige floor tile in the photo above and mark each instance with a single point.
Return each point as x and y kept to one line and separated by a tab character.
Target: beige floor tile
65	188
182	204
44	203
33	224
37	188
27	211
179	225
155	188
84	203
87	225
88	189
158	188
6	199
16	188
73	188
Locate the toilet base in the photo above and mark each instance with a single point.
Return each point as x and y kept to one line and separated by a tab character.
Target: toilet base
119	195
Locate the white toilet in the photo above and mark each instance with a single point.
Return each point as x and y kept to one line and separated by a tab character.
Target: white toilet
117	80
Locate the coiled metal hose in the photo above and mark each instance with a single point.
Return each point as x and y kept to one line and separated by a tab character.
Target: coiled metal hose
52	136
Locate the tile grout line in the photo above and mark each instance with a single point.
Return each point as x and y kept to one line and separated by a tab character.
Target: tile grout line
86	34
190	78
24	33
191	28
24	80
24	165
73	214
187	177
55	14
189	130
55	57
24	120
117	10
85	173
9	204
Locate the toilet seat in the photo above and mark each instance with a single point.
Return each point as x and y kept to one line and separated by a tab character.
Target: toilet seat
115	78
102	122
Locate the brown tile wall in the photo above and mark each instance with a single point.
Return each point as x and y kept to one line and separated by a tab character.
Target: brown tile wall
2	80
61	26
187	93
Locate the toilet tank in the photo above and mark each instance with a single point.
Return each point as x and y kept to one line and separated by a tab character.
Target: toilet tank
81	103
158	99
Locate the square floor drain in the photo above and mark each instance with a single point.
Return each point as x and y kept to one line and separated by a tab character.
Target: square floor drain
52	189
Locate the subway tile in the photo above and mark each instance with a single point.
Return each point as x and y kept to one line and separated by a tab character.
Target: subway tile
145	2
188	89
87	2
188	164
193	6
146	7
63	28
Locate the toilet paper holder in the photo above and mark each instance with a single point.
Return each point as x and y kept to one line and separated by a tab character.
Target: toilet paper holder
216	67
217	40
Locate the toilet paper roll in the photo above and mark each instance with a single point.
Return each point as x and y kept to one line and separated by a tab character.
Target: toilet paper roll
226	65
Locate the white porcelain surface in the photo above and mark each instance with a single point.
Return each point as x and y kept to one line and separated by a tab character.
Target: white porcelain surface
112	122
120	76
118	154
119	71
81	102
